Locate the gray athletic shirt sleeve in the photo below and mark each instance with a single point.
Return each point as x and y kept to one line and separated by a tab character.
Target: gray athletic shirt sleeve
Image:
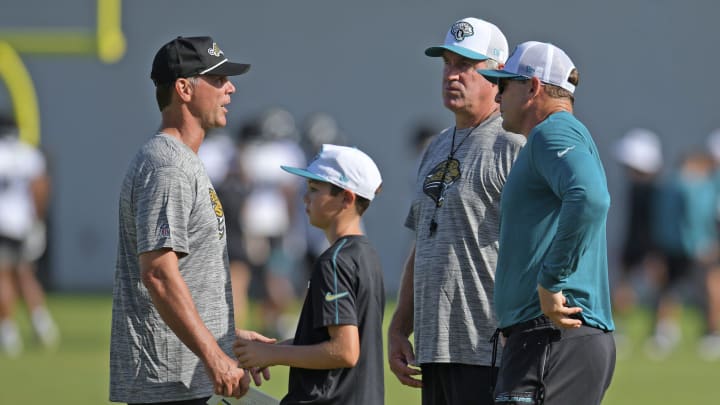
455	267
167	201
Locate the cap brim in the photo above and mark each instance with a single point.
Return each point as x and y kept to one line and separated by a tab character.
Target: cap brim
229	69
303	173
437	51
493	76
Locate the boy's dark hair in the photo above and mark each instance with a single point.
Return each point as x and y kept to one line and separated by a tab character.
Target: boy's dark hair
361	203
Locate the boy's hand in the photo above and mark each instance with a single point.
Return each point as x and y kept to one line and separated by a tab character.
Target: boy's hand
254	336
253	354
257	373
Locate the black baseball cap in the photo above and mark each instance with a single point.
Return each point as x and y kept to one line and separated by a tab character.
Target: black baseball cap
192	56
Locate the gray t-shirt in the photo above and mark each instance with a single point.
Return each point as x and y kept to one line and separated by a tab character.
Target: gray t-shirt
455	265
167	201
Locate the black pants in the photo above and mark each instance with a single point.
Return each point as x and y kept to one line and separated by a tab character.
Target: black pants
197	401
456	384
542	364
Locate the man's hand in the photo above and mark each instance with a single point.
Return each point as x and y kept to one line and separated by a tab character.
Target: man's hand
553	305
402	360
228	379
257	373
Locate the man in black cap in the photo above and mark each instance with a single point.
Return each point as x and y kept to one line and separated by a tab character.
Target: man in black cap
172	319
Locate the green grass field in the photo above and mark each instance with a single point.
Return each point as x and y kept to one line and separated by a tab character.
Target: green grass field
77	372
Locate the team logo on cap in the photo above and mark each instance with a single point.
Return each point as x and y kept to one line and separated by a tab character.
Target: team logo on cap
461	30
215	50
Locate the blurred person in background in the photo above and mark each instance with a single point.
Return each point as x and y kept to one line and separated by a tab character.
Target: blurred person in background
24	198
421	136
273	230
446	288
685	232
709	347
220	154
320	128
640	154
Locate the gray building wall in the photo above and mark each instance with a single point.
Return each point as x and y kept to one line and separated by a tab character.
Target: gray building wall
645	63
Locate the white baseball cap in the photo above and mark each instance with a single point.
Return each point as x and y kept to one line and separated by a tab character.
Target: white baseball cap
475	39
640	149
543	60
346	167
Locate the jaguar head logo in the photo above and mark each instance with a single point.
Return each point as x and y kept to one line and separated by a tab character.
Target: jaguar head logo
461	30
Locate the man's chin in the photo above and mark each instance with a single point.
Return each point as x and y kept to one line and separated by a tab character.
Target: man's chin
453	105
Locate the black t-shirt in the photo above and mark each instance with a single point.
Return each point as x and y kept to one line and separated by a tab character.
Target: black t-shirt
345	288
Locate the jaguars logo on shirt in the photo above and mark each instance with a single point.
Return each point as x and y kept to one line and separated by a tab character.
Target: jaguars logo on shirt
218	209
442	176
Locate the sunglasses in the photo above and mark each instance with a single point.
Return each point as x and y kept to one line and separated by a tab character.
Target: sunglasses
502	83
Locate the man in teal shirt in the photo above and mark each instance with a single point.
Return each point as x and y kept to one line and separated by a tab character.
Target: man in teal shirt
551	288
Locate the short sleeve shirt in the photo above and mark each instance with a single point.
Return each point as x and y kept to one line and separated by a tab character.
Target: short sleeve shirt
167	202
455	266
345	288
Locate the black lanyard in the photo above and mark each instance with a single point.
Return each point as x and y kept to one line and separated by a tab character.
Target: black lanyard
443	186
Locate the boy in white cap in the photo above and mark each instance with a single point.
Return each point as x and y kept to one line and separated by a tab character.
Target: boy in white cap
446	289
336	356
552	297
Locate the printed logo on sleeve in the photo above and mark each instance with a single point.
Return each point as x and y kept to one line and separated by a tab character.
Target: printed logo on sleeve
565	151
329	297
164	231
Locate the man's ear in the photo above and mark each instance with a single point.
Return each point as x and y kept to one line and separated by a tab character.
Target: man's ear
535	85
184	89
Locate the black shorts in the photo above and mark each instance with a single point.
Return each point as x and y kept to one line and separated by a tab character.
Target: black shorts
457	384
542	364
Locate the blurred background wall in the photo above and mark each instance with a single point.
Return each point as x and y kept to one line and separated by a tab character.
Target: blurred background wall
642	63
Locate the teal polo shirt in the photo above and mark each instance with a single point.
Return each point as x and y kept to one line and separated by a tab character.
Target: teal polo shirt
553	212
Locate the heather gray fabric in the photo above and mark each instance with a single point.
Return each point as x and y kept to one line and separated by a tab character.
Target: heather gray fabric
455	267
167	201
